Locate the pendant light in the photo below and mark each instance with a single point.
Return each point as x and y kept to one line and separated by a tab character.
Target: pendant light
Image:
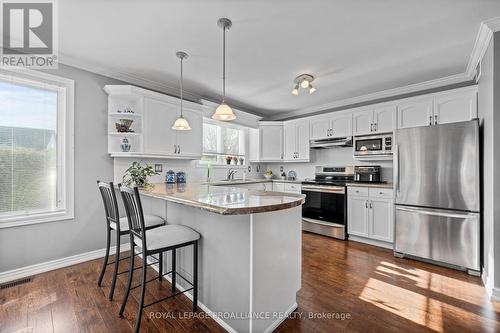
224	111
181	124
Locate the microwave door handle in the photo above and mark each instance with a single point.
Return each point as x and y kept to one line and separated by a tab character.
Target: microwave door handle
396	169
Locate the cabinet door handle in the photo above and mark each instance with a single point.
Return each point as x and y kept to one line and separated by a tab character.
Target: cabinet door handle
371	206
175	149
375	125
371	127
179	149
435	119
430	120
366	203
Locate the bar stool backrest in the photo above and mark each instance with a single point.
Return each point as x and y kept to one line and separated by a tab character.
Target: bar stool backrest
135	215
110	204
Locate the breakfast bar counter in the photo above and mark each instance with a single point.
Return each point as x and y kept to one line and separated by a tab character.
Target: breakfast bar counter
250	250
224	200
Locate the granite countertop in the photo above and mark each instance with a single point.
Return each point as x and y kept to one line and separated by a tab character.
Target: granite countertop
252	181
377	185
223	199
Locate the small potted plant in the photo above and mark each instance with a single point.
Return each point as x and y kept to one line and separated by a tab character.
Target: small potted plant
138	174
269	174
228	160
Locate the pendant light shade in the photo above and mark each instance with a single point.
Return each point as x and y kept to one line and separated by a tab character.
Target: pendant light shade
181	124
224	111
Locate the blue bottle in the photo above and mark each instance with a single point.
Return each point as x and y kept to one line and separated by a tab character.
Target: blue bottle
170	177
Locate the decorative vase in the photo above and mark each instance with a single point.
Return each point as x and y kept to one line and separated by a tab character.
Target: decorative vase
125	145
181	177
170	177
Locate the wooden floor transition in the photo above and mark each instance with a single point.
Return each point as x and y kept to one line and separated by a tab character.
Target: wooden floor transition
347	287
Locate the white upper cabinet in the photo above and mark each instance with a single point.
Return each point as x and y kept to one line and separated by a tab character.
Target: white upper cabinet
415	113
266	143
341	126
384	119
455	106
362	122
320	128
296	141
154	114
303	147
439	108
290	137
331	126
189	143
159	138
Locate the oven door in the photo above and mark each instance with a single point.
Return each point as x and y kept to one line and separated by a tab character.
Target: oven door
324	204
368	146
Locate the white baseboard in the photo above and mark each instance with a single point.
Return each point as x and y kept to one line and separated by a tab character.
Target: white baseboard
282	319
495	294
43	267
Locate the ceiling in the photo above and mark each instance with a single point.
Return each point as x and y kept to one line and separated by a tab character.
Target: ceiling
353	48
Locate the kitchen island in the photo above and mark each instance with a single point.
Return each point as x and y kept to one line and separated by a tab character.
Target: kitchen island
250	250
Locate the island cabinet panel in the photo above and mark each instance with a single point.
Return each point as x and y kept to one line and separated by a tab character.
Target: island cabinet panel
242	257
159	138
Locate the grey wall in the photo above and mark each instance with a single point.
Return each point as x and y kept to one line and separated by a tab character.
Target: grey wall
485	113
489	116
496	157
28	245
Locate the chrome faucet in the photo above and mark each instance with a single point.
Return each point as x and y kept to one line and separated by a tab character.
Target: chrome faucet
230	174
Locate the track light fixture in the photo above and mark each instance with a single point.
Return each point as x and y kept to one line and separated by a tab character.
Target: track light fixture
303	81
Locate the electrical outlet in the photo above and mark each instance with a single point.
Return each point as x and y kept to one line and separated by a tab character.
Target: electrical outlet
158	167
281	168
249	168
258	167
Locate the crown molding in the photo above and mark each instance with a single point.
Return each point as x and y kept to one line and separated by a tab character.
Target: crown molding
127	77
483	38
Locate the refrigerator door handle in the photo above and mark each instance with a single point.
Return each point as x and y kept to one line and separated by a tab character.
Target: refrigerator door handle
435	212
396	170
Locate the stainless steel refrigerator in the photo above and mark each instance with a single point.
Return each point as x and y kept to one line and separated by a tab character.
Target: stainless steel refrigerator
437	201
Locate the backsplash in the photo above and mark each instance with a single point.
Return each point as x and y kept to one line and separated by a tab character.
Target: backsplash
194	171
341	156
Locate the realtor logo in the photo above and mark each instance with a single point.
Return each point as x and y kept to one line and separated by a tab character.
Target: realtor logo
28	31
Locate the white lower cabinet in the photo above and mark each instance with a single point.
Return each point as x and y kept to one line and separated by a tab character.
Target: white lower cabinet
370	213
357	215
278	187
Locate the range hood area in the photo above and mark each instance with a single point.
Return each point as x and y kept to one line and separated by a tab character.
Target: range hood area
331	143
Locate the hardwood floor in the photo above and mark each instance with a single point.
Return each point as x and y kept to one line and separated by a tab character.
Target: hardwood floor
362	288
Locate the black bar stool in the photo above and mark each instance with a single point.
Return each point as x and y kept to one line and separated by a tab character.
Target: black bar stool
120	225
153	241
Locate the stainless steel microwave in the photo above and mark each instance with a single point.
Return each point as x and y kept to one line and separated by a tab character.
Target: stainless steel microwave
373	145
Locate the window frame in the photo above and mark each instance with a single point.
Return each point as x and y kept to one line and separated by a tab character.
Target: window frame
204	163
65	145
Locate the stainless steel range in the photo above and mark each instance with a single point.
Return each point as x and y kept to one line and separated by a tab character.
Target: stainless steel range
325	209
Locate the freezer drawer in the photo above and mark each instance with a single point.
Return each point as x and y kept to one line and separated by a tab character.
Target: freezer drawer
441	235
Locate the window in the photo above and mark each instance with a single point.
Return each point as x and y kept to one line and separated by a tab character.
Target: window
223	143
36	148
